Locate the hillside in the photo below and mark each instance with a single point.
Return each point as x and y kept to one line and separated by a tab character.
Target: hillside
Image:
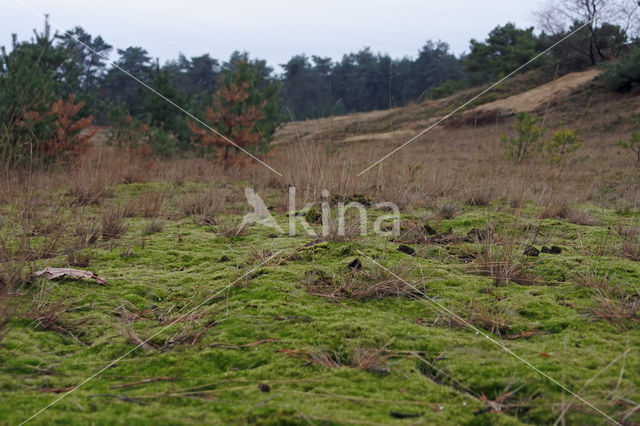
513	96
509	295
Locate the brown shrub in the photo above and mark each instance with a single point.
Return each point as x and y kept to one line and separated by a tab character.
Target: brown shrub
492	318
448	211
154	227
630	247
204	205
151	204
614	303
48	314
87	188
112	223
503	263
357	284
78	259
366	359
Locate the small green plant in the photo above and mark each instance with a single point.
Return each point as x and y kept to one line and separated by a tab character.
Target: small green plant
633	143
562	143
449	87
528	131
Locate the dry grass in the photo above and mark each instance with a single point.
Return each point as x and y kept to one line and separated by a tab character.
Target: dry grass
366	359
154	227
204	205
189	335
614	304
78	259
112	223
564	210
415	233
49	315
85	232
151	204
33	242
630	247
350	230
618	309
503	263
356	284
87	187
492	318
456	164
227	227
448	211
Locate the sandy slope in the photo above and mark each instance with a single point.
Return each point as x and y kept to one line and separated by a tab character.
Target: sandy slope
534	98
405	122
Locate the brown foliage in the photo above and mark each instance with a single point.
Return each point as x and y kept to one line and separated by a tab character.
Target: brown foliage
232	117
70	135
377	284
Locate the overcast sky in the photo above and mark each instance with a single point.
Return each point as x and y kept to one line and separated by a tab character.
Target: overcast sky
273	30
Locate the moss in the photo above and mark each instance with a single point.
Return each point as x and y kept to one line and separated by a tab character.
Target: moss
266	322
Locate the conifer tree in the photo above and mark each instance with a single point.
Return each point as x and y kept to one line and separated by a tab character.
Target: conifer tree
232	115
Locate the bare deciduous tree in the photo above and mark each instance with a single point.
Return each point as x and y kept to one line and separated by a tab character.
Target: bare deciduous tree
557	16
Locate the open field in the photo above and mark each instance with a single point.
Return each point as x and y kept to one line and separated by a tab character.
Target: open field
269	328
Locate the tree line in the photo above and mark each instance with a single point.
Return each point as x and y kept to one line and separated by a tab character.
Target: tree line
56	87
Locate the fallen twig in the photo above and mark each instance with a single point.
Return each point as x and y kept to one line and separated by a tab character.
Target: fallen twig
246	345
56	390
120	397
140	382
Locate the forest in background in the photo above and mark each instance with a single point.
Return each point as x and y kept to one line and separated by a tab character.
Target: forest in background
56	89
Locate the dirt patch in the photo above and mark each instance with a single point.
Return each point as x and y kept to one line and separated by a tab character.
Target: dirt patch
395	135
550	92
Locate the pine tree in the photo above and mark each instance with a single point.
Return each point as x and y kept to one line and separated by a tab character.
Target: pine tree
232	115
70	137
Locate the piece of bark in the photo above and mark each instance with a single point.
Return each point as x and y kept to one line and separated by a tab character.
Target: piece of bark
53	273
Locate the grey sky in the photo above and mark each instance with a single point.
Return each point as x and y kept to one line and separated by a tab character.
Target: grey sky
273	30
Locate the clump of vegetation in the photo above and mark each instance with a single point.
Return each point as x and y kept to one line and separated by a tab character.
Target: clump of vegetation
562	143
49	314
237	112
154	227
493	318
630	248
448	211
112	223
633	143
150	204
449	87
78	259
624	74
528	133
203	204
336	229
415	233
85	232
504	263
614	303
355	284
227	227
86	188
366	359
